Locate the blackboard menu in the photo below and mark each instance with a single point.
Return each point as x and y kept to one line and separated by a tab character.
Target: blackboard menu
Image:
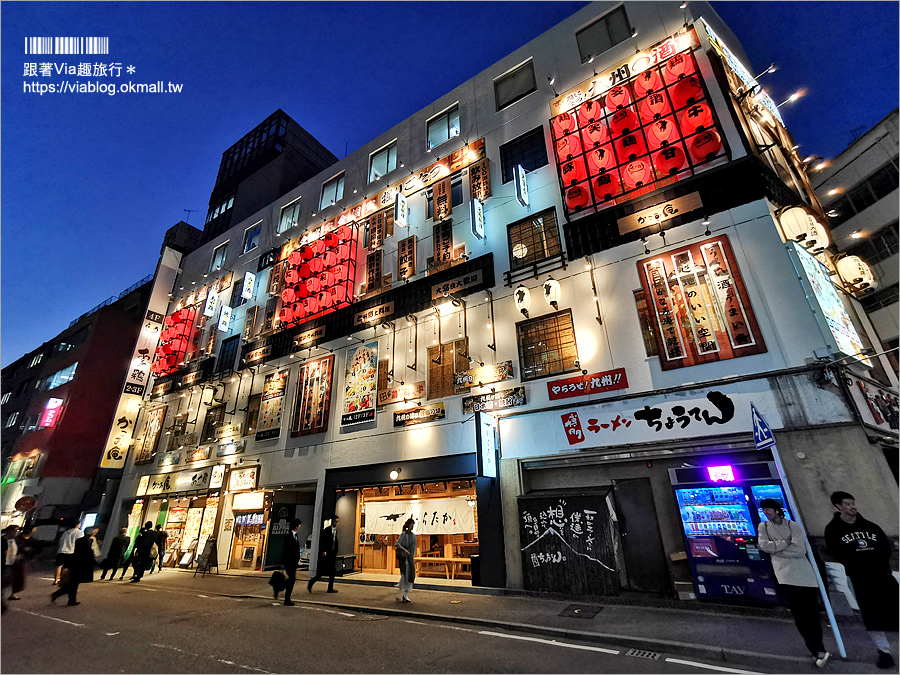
567	544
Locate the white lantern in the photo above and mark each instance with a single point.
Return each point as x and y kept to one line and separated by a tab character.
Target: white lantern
817	239
523	299
552	292
794	223
856	274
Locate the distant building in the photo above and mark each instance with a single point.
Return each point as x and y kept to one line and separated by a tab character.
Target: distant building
859	192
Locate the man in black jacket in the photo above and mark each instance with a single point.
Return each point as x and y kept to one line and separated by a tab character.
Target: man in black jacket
81	568
290	559
115	557
865	550
142	547
328	547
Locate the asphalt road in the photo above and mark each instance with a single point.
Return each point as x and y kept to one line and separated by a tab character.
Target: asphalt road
164	625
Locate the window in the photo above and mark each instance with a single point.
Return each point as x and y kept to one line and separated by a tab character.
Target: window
383	162
36	360
605	33
252	413
5	398
880	298
444	362
24	387
877	186
63	347
647	332
214	417
533	239
880	246
443	127
31	423
547	345
251	237
227	354
516	84
219	209
529	150
456	196
58	378
218	257
11	420
332	192
290	216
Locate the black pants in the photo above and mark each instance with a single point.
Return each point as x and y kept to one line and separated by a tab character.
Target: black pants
321	571
803	601
140	564
70	588
291	574
113	565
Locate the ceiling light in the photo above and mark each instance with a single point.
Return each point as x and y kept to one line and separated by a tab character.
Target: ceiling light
856	235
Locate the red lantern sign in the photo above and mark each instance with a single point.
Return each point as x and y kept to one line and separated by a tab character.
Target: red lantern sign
325	300
313	285
589	112
295	258
305	252
286	315
696	118
687	91
670	160
299	311
300	292
330	239
343	252
679	66
568	146
291	276
577	198
344	233
601	159
630	147
327	278
312	305
662	132
705	145
563	124
595	134
647	82
605	186
654	106
340	272
288	295
339	294
573	172
316	265
637	173
617	97
623	122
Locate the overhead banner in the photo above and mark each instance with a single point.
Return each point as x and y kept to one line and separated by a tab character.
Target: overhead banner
271	406
452	515
360	384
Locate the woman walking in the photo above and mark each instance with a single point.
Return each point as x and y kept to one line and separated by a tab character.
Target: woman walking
406	552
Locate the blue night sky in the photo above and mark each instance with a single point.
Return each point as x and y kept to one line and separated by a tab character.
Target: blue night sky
91	182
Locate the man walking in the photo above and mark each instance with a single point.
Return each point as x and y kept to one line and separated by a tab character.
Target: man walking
290	559
162	537
81	569
865	550
115	557
328	547
67	548
142	547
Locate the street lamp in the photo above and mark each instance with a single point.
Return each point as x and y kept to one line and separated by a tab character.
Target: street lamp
793	97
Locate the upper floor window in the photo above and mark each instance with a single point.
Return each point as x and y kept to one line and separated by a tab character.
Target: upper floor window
863	195
251	237
11	420
514	85
218	257
332	192
214	417
879	246
605	33
383	162
5	398
443	127
290	216
547	345
31	423
533	239
58	378
219	209
36	360
529	150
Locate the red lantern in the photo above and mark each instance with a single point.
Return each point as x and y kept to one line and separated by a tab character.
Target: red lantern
299	310
340	272
288	295
325	300
577	198
313	285
327	278
696	118
601	159
312	305
339	294
687	91
605	186
705	145
291	275
300	292
306	252
573	172
654	106
302	272
617	97
344	233
563	124
317	246
295	258
595	134
679	66
331	258
589	112
330	240
171	361
168	348
670	160
286	315
661	133
647	82
623	122
630	147
169	321
568	146
637	173
343	252
183	315
316	265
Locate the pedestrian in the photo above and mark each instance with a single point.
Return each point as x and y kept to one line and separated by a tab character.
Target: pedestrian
115	557
328	548
785	542
290	559
865	551
162	538
80	569
27	550
406	553
66	548
10	552
143	546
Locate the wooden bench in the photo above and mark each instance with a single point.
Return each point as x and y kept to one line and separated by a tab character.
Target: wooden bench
450	564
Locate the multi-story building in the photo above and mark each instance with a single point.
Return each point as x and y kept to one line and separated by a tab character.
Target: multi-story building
537	316
858	190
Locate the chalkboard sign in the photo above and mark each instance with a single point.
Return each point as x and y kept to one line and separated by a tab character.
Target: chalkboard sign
208	558
567	545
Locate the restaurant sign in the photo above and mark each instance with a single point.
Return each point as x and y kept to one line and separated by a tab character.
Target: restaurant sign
420	415
656	215
494	401
582	385
477	377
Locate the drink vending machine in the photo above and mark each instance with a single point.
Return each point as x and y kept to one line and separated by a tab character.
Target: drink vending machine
720	515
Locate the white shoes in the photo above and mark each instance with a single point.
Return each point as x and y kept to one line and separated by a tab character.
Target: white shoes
822	659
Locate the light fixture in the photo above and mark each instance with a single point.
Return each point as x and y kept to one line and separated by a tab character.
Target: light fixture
771	69
471	503
834	191
552	292
824	164
395	473
706	224
683	5
523	299
856	235
793	97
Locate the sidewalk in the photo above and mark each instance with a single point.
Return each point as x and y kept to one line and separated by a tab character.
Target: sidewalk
752	638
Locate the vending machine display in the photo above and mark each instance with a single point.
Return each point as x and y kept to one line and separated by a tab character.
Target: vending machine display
775	492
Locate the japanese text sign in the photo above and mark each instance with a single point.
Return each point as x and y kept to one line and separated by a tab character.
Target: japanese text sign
582	385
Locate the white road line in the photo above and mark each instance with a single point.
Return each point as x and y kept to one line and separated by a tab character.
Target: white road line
52	618
346	614
418	623
230	663
202	596
553	643
111	634
720	669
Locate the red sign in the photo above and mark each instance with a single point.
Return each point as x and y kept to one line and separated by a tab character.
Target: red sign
582	385
572	425
25	504
51	412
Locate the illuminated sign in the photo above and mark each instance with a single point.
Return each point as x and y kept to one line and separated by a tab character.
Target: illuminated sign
247	286
373	314
486	440
218	476
521	186
243	479
660	213
477	216
258	354
426	413
477	377
401	210
224	318
51	412
723	473
210	308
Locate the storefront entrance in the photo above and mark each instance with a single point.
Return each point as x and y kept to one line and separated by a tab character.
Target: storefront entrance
250	527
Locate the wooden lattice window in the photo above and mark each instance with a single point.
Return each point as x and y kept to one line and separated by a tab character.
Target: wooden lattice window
547	345
533	239
444	362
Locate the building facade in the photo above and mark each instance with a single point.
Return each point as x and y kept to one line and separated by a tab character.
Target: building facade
535	316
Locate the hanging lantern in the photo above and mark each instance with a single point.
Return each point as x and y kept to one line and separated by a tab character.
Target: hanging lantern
605	186
330	240
299	311
313	285
300	291
661	133
573	172
595	134
705	145
630	147
654	106
679	66
306	252
637	173
288	295
295	258
343	252
327	278
340	272
856	274
291	275
523	299
552	292
312	305
168	348
589	112
794	223
818	235
325	300
601	159
647	82
169	320
825	258
617	98
339	294
670	160
563	124
623	122
331	258
577	198
286	315
696	118
568	146
344	233
687	91
316	265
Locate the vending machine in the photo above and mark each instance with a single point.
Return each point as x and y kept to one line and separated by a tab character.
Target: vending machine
719	510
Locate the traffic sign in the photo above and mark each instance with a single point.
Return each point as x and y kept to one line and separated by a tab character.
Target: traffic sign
762	434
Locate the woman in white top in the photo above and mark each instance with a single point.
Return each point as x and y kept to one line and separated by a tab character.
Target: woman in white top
784	541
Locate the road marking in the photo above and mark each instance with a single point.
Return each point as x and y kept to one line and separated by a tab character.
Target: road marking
202	596
720	669
52	618
230	663
554	643
418	623
116	633
346	614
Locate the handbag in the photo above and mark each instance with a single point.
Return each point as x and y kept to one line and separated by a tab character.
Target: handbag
278	581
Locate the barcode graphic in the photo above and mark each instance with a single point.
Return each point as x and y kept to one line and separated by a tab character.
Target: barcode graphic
67	45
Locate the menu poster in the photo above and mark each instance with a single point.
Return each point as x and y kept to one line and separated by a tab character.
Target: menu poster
146	446
208	521
406	258
192	527
271	406
313	397
361	384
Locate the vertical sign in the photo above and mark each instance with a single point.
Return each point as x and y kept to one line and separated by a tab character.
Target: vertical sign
376	230
406	258
486	441
401	210
521	186
249	322
210	308
480	180
313	397
271	406
225	318
247	286
477	216
441	206
145	447
443	242
51	412
361	384
373	271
